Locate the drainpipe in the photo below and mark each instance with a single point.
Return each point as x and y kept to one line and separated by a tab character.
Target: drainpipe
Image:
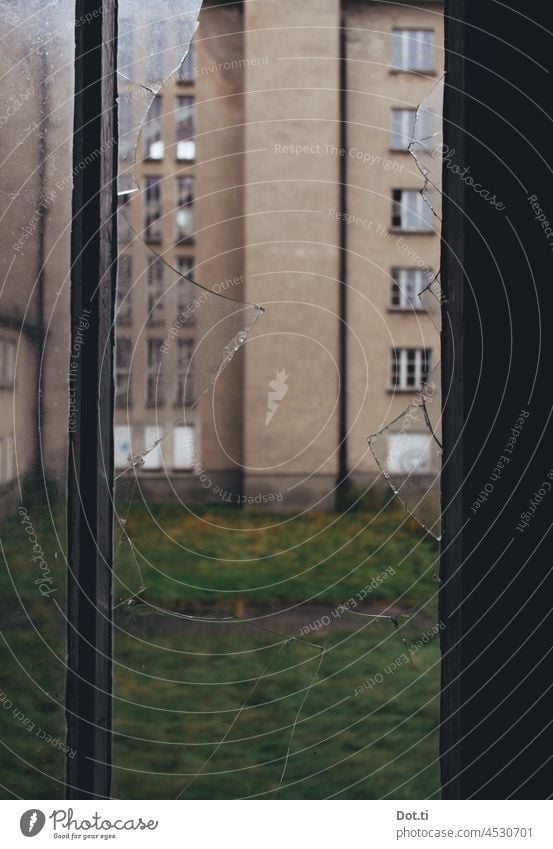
342	482
41	257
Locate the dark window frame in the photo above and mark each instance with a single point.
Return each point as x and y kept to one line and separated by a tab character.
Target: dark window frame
496	705
90	468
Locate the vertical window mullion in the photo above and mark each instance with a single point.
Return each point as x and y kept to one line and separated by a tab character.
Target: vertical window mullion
90	467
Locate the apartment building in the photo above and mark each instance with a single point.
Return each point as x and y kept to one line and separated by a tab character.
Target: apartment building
272	169
36	179
242	160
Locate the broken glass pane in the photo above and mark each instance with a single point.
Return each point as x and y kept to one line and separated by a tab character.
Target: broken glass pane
432	299
37	366
427	146
409	454
408	451
237	669
189	332
153	43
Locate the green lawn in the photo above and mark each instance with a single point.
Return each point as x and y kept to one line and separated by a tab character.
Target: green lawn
217	555
210	710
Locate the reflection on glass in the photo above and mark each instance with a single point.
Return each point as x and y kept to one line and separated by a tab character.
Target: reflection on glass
245	644
36	390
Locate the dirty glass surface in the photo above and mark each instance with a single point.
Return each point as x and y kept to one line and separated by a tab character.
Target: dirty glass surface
275	617
262	649
409	449
36	121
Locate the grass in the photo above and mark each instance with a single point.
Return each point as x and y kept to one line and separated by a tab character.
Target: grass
210	710
215	555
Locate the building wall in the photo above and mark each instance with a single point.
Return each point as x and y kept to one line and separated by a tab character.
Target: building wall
267	220
36	166
373	251
291	248
266	230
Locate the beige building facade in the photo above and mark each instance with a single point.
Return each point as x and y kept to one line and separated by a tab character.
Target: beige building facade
272	169
269	123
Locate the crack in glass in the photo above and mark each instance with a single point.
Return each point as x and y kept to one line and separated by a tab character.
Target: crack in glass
408	450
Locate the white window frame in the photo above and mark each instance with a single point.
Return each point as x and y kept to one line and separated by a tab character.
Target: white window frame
185	129
182	434
404	358
153	459
153	131
152	208
184	211
402	128
124	230
402	446
122	435
407	126
414	214
413	50
407	284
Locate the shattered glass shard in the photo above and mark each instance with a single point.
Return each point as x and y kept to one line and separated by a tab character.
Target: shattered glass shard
431	402
199	330
408	451
165	41
431	298
427	146
409	455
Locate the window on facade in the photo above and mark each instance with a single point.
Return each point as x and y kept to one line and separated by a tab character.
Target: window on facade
413	50
187	293
154	373
184	218
7	363
184	447
153	458
406	285
152	209
154	292
123	354
410	211
409	367
124	231
153	131
404	129
185	264
123	305
185	73
184	120
185	373
122	446
409	453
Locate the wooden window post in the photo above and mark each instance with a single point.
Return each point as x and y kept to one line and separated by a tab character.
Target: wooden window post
93	268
